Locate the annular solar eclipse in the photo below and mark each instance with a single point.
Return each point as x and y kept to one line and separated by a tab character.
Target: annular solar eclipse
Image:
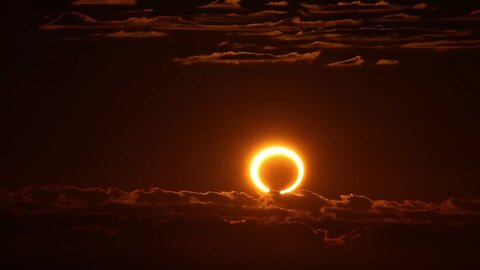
274	151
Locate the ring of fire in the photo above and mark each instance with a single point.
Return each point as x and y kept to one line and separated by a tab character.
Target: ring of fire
265	154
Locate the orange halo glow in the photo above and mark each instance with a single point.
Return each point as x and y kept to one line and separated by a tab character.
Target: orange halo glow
271	152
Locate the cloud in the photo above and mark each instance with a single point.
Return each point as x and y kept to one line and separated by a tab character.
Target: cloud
474	13
380	3
443	45
420	6
267	13
229	22
104	2
399	17
351	7
356	24
277	4
236	58
386	62
355	61
272	33
325	24
236	19
223	4
324	45
73	227
70	19
244	46
302	206
135	34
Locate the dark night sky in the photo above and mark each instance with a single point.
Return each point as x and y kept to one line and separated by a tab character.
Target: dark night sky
121	115
103	100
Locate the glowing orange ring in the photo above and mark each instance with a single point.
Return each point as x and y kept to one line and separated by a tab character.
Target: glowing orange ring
268	153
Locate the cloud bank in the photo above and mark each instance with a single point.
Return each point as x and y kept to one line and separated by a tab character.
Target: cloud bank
275	27
77	227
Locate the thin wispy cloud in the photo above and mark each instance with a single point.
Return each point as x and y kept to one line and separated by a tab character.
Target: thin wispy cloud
277	4
399	17
135	34
387	62
352	62
325	45
241	57
444	45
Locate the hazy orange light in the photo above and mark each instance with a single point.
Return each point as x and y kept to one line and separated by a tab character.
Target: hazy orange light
271	152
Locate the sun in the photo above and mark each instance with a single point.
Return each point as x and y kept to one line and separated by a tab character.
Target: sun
270	152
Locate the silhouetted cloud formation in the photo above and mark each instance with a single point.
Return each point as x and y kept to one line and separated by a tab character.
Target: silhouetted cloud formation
302	207
161	227
299	26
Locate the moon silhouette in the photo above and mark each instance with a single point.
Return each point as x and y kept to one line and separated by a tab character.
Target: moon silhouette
270	152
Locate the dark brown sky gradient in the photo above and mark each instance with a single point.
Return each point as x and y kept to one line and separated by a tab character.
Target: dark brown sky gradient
121	116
